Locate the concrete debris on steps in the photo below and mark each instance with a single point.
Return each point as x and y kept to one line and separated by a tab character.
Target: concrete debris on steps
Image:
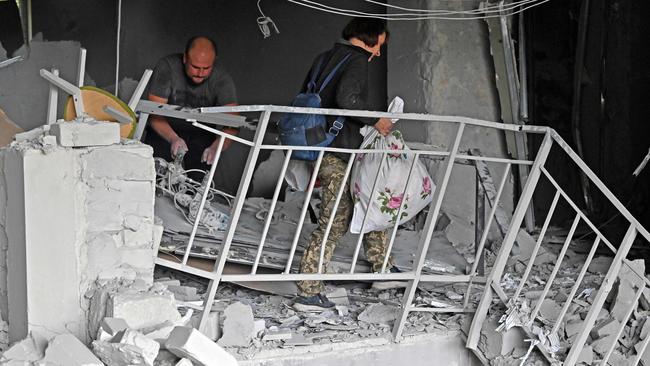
189	343
238	325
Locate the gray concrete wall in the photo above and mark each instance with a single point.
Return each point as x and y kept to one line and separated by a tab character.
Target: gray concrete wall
69	217
444	67
265	71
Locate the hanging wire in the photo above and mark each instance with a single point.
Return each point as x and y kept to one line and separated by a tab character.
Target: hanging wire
117	50
264	21
507	10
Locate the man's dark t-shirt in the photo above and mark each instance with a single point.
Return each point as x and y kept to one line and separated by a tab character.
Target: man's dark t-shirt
169	81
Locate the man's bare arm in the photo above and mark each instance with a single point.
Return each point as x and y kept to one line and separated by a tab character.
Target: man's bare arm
162	128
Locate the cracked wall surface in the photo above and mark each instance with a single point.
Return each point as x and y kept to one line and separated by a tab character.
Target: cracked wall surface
444	67
71	218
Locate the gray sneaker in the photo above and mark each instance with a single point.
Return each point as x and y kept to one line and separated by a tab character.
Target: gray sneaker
313	303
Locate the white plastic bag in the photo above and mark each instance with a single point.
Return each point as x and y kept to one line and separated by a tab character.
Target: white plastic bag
382	212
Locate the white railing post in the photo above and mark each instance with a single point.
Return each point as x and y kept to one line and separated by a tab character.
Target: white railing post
425	239
601	296
508	241
234	215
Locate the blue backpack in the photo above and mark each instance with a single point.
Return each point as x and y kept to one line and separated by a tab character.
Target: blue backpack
300	129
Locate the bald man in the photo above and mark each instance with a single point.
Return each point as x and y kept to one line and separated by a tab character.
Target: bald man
191	79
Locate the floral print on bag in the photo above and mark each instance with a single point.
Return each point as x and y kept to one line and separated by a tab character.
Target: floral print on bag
390	203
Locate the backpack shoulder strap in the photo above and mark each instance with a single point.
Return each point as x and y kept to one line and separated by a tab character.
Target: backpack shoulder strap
333	72
311	85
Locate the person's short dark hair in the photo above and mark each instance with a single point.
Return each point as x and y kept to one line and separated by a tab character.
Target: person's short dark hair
366	30
190	43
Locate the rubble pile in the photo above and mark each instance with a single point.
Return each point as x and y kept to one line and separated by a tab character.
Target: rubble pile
500	346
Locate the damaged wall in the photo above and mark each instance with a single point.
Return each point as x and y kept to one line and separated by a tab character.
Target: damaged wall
265	71
70	217
444	67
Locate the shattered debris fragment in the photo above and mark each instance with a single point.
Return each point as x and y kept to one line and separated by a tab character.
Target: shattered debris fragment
189	343
238	325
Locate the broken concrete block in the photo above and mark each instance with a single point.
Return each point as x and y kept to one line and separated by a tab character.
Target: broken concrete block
29	349
128	347
550	310
66	349
165	358
378	314
645	359
624	298
86	133
189	343
211	329
572	328
114	325
258	327
298	340
605	328
338	296
168	282
184	362
586	356
280	334
143	310
184	293
602	345
237	326
600	264
149	347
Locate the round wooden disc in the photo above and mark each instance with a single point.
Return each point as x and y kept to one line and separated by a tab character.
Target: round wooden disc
94	101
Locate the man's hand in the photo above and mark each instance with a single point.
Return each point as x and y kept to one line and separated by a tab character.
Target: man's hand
178	145
210	152
384	126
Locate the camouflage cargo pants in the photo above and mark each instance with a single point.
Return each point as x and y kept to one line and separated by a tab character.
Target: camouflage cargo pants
331	174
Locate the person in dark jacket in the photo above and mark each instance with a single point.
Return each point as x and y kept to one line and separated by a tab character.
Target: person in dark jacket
362	39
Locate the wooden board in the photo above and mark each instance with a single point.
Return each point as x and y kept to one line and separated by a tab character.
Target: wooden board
7	129
94	101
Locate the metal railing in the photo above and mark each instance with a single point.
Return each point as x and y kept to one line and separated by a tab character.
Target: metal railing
450	157
539	171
